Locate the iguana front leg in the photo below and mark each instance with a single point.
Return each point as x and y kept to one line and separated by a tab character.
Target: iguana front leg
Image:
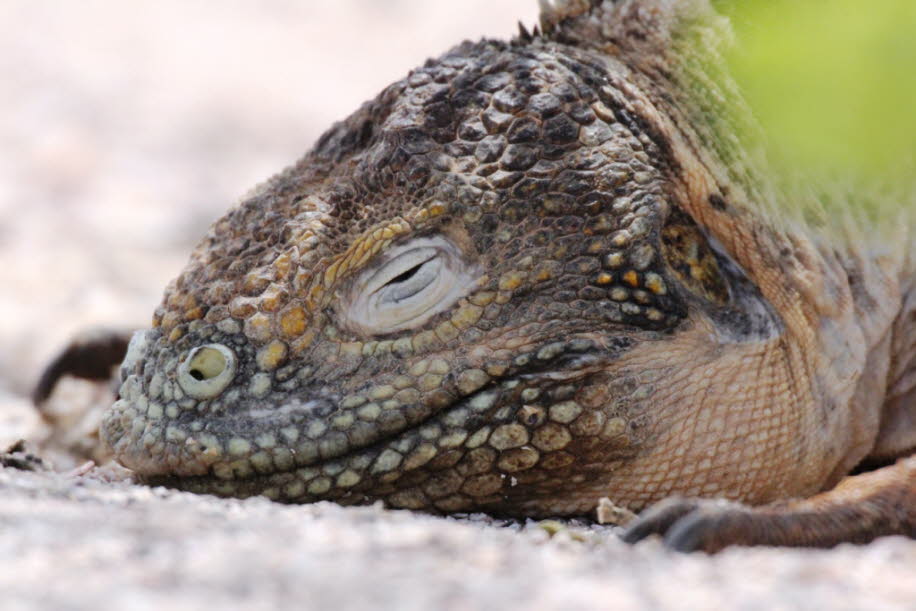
858	510
90	355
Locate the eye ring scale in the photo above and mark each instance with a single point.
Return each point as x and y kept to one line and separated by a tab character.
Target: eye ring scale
207	371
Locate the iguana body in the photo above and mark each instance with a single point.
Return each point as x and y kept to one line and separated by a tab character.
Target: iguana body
531	275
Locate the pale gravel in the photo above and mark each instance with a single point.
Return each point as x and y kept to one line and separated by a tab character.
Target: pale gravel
77	543
125	128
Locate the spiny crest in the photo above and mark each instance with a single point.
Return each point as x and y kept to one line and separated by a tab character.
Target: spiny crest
675	49
554	12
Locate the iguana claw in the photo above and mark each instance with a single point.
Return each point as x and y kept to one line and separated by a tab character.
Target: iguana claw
860	509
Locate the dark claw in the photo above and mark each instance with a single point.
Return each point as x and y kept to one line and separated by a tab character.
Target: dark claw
689	525
658	519
708	530
91	356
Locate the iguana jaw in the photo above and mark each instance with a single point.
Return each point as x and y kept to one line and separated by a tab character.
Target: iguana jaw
533	415
553	442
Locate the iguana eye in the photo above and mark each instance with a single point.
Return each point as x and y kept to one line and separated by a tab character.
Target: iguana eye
410	284
421	268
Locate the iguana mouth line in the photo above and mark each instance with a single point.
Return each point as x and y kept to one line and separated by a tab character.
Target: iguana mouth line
376	446
591	364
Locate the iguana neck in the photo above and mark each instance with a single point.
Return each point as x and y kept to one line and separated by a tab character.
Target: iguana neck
837	269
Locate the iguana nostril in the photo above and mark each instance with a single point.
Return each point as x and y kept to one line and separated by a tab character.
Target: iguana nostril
207	371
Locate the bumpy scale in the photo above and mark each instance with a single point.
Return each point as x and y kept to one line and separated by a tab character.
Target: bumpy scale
530	275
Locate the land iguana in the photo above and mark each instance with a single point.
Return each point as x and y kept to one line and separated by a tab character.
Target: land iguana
537	273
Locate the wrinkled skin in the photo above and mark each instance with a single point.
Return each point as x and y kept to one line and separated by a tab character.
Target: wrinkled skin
625	325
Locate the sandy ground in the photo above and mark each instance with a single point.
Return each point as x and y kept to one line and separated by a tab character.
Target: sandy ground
81	544
125	129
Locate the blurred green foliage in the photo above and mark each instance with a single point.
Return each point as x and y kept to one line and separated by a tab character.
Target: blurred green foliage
832	81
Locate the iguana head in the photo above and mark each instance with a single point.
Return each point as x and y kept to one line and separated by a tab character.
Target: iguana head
480	291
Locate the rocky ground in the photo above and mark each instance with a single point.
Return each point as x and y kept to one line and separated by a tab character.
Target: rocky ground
125	129
79	543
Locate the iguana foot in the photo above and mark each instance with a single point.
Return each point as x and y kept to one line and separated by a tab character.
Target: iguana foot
91	355
858	510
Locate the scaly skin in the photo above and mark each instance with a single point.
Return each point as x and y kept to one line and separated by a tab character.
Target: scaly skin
632	319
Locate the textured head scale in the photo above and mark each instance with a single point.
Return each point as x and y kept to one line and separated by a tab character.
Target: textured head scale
541	189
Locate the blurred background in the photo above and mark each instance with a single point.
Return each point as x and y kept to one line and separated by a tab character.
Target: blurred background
832	81
126	128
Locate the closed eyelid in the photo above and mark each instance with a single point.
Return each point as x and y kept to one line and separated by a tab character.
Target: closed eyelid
422	277
400	265
374	304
